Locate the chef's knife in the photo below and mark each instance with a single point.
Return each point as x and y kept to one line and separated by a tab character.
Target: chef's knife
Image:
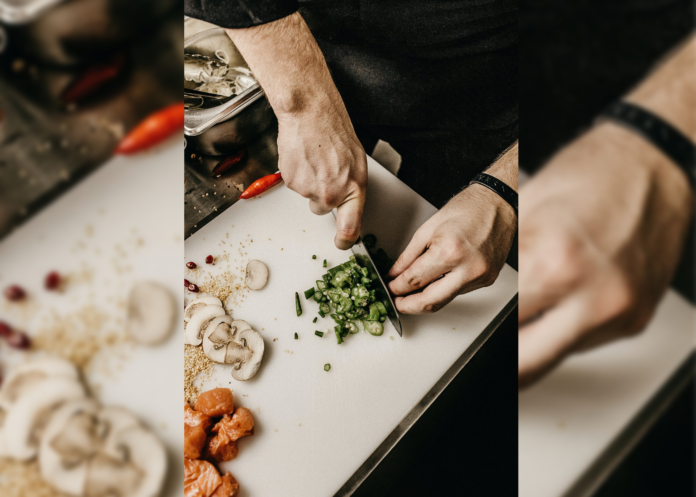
361	253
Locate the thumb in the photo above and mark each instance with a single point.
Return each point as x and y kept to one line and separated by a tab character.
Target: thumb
348	222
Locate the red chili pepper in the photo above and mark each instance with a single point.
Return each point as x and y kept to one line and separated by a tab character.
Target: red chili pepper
94	78
261	185
228	162
153	129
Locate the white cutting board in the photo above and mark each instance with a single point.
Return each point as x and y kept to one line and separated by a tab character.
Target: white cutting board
570	417
315	428
134	203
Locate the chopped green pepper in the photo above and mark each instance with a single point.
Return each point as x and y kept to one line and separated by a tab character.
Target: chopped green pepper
298	307
308	294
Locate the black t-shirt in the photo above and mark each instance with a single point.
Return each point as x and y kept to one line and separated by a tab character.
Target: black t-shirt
408	63
578	56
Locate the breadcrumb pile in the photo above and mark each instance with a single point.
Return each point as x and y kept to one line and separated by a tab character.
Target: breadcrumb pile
23	479
195	363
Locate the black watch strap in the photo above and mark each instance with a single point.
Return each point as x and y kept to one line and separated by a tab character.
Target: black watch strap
503	190
661	134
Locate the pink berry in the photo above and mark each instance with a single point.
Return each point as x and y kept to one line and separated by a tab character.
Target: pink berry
209	259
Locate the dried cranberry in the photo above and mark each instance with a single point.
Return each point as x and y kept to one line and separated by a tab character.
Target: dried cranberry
52	280
5	329
209	259
18	341
15	293
191	265
193	288
186	283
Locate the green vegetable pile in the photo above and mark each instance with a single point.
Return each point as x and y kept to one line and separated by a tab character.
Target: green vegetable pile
351	294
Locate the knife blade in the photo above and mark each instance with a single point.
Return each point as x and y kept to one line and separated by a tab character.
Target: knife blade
361	253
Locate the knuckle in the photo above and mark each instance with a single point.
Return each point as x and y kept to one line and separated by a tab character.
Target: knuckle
450	252
433	307
413	280
559	266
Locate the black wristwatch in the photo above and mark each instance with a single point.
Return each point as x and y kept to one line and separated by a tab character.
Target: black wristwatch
494	184
672	142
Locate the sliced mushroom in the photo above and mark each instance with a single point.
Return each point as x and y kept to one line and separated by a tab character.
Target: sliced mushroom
94	452
30	373
147	453
256	275
107	477
30	413
246	357
234	343
217	334
198	323
198	305
112	421
67	444
150	313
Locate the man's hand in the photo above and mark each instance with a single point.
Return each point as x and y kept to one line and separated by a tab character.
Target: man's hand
466	242
602	228
320	156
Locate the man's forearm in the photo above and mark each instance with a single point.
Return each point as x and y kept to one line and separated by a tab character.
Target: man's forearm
670	90
288	63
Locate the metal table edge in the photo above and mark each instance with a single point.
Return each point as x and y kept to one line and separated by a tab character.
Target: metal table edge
599	471
410	419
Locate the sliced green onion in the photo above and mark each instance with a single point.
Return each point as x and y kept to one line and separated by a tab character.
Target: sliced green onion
319	333
314	256
296	336
298	307
308	294
325	265
315	320
327	366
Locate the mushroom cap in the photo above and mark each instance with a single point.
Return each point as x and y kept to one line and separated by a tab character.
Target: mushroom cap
256	275
219	325
25	375
198	322
69	479
199	304
29	412
150	313
250	354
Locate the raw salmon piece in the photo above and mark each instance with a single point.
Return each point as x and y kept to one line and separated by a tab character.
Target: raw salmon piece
196	426
241	424
201	479
229	487
216	402
221	449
